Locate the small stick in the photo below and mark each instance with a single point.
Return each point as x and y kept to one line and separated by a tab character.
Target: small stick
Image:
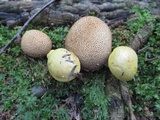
72	71
150	59
25	25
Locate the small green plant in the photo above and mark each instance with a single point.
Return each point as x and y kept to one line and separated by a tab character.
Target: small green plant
57	36
96	102
143	17
92	13
146	85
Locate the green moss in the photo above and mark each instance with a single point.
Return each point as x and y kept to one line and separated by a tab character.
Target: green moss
146	85
96	102
145	89
19	73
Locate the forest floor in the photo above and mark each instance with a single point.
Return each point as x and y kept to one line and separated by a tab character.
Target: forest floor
28	92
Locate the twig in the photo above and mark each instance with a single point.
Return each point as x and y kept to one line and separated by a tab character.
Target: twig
25	25
142	49
127	98
72	71
151	59
142	36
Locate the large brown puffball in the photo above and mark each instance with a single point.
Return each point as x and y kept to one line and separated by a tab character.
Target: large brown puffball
91	40
35	43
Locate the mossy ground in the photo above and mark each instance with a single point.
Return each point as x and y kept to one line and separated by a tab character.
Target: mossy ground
86	97
20	73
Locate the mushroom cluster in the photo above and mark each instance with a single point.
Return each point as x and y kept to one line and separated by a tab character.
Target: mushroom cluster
88	45
91	40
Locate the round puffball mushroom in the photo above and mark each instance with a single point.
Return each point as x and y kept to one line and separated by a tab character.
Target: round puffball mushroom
35	43
123	63
91	40
63	65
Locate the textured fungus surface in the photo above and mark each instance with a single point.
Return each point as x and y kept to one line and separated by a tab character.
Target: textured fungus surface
35	43
91	40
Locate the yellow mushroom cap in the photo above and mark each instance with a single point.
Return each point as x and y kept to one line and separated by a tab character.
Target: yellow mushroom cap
63	65
91	40
35	43
123	63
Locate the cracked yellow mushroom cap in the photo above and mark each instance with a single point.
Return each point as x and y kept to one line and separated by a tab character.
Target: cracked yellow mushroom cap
63	65
123	63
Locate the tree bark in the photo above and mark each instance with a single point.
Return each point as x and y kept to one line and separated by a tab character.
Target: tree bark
62	12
